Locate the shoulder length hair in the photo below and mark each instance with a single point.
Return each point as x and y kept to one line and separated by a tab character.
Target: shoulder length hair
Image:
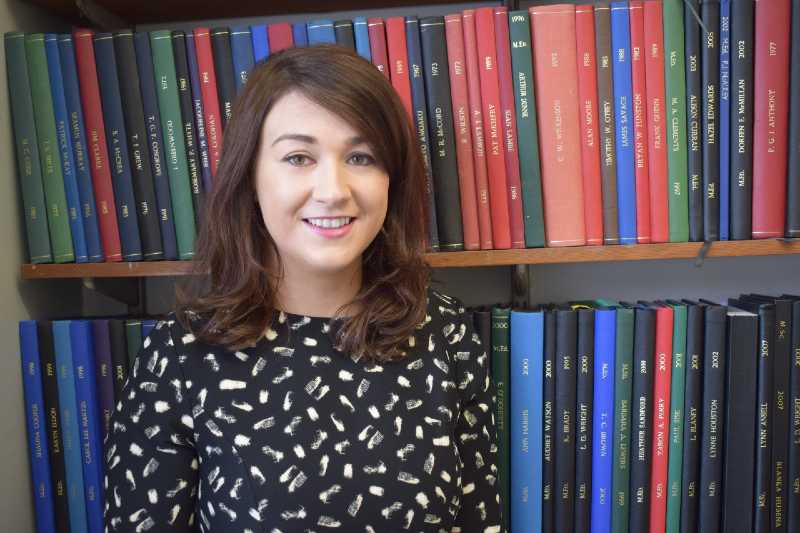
233	289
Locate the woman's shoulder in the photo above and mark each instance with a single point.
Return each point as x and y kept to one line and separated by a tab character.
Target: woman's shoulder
444	305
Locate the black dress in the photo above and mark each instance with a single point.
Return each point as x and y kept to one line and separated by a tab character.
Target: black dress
293	435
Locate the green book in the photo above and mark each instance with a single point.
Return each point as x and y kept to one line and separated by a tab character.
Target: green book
29	167
501	368
527	130
133	339
675	81
174	142
52	176
676	418
623	380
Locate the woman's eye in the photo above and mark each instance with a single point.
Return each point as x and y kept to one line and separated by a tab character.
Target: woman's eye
362	159
297	160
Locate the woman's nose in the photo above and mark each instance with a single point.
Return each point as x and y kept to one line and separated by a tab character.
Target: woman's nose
331	183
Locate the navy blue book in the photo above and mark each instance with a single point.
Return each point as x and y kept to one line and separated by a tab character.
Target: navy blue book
223	66
117	147
549	424
147	327
583	419
152	118
258	33
243	55
343	29
83	175
603	418
564	419
65	148
361	31
37	436
197	106
623	115
724	119
709	52
299	35
320	31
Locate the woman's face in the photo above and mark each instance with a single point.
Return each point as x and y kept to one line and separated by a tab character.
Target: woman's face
323	197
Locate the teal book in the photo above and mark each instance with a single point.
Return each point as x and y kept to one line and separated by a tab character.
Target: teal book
678	387
623	381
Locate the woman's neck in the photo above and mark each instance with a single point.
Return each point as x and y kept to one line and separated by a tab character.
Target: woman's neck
319	294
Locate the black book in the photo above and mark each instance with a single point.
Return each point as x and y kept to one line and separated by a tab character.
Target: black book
694	117
442	135
343	29
693	415
644	343
482	319
548	430
711	457
136	130
119	355
584	408
740	421
741	190
187	116
709	61
564	435
223	67
793	176
793	522
58	471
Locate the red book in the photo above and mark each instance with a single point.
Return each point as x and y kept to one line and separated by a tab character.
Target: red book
377	45
590	149
662	383
556	74
398	62
458	94
280	36
657	130
640	144
476	122
770	117
208	94
509	115
493	129
96	144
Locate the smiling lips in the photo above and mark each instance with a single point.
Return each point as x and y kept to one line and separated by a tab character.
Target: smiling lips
330	227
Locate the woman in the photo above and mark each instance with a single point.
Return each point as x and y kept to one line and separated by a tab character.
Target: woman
314	381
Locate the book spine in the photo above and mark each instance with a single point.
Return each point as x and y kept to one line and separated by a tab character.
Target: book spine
118	154
398	62
694	114
509	127
724	139
463	135
344	34
139	153
605	97
793	186
361	36
77	132
676	107
443	156
37	427
415	68
590	149
677	396
281	36
566	352
187	123
742	43
584	399
501	375
692	408
770	117
623	381
549	424
199	121
119	355
709	58
243	55
258	32
152	118
377	45
780	412
603	420
208	92
29	168
793	522
557	104
101	343
478	148
52	174
299	35
642	429
169	107
662	383
640	135
223	68
490	103
657	126
320	31
65	156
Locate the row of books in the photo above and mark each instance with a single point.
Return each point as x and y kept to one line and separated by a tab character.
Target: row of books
653	416
72	372
612	123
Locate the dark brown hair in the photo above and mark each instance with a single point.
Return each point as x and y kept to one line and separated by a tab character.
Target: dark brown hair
233	289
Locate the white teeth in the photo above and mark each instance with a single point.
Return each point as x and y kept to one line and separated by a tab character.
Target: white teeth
329	222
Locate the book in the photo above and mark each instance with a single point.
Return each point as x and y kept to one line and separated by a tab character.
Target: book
565	404
280	34
549	424
208	93
320	31
623	381
584	405
104	368
501	376
299	35
639	119
199	117
662	386
258	33
724	132
242	53
603	418
398	62
672	522
377	44
694	117
223	68
710	60
793	175
361	36
119	354
343	29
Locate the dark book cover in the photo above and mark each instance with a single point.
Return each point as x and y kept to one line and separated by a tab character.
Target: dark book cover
549	425
343	29
709	60
199	116
694	116
501	375
119	354
223	67
566	375
583	417
793	175
482	319
104	368
793	522
623	363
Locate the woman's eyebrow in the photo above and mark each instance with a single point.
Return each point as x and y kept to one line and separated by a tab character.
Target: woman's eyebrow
308	139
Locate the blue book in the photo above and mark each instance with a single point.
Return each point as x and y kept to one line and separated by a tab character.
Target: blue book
527	379
152	119
361	31
116	138
623	110
69	71
724	119
89	421
147	327
260	38
197	106
65	148
299	35
70	432
242	51
320	31
603	418
35	416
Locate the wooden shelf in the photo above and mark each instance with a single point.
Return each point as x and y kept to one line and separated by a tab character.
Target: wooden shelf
533	256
